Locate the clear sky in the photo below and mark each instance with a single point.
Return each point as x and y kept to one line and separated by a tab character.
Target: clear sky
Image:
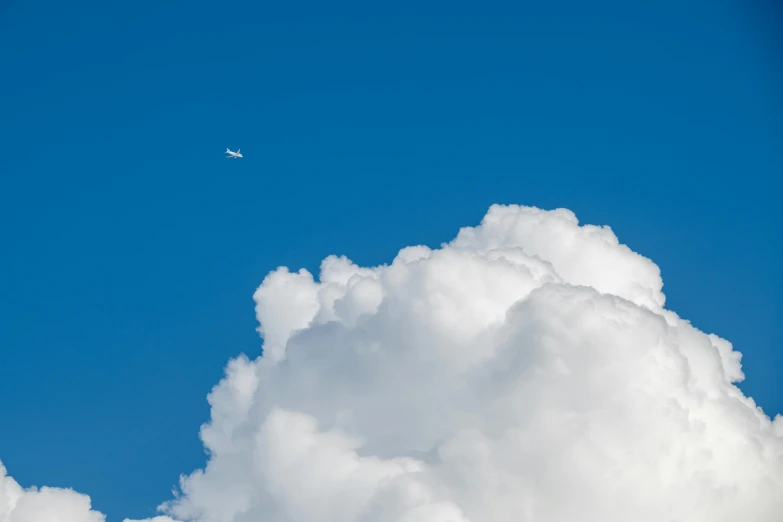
131	247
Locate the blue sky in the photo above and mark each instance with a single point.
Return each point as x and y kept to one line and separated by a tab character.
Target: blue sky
131	247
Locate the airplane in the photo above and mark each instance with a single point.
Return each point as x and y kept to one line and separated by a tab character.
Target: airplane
233	154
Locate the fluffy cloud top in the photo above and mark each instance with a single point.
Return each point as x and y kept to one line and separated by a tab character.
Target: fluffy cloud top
42	505
525	371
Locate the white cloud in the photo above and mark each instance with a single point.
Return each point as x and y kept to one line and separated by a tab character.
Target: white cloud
154	519
526	371
42	505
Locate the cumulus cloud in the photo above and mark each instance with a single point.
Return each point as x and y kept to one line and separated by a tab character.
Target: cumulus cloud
155	519
525	371
48	504
42	505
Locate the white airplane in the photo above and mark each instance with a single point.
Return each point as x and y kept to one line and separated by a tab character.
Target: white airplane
233	154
